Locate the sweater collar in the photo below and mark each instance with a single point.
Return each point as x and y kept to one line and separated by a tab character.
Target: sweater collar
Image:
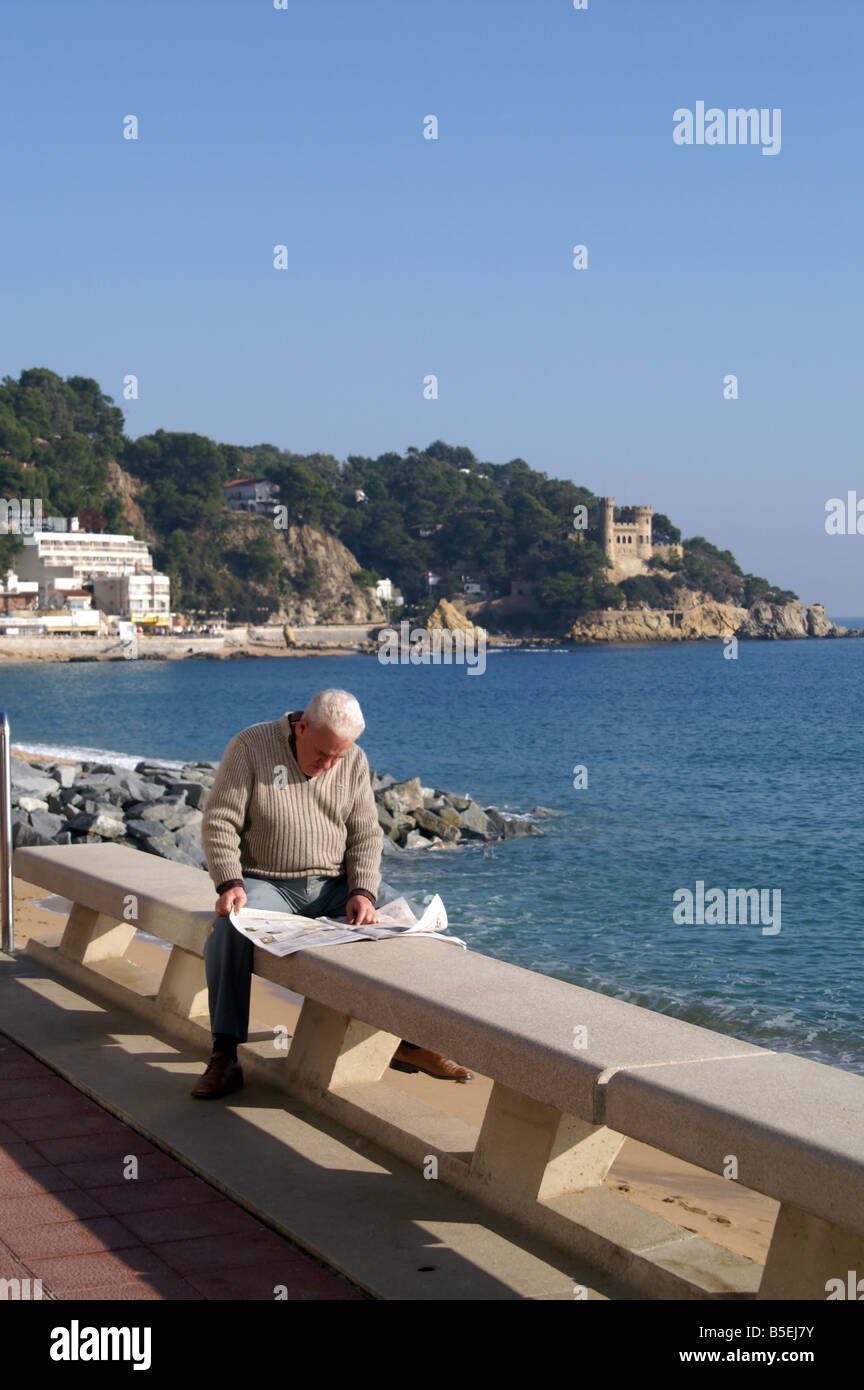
287	722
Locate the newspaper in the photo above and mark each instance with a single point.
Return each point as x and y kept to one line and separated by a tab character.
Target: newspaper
282	933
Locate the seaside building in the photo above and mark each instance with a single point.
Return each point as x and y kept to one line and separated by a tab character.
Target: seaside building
257	495
61	561
628	542
70	558
77	617
143	597
18	594
385	591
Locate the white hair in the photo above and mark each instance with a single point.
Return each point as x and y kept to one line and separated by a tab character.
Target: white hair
336	710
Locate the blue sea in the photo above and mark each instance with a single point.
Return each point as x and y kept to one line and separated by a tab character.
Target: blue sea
739	773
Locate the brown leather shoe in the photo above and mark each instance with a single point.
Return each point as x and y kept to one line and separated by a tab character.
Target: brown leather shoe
432	1063
223	1075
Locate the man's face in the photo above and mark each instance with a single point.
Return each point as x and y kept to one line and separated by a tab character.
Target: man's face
318	748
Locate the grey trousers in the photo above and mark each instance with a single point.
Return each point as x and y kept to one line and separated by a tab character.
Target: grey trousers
228	955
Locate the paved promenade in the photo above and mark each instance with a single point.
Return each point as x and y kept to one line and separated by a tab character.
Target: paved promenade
74	1214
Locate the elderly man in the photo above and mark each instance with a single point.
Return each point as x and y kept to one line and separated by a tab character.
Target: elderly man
291	825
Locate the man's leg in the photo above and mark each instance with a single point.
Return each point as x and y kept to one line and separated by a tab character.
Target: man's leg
228	957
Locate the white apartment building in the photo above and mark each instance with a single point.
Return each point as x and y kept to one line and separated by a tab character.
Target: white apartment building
60	561
71	558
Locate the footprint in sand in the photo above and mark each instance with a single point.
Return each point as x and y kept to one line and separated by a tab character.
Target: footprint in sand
698	1211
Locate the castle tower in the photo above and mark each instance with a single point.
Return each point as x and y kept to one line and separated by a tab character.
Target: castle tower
607	526
642	519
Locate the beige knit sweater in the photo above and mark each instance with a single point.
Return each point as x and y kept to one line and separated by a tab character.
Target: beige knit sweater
265	818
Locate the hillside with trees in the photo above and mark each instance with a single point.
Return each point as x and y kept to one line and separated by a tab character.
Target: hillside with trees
400	516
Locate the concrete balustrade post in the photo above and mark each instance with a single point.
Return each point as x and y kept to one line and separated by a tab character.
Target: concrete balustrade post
806	1253
532	1152
92	936
183	988
330	1050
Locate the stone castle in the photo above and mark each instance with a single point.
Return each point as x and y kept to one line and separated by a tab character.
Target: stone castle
628	542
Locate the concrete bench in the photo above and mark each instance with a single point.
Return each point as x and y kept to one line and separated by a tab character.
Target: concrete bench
574	1072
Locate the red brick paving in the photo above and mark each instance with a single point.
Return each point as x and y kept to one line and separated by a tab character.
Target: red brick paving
69	1218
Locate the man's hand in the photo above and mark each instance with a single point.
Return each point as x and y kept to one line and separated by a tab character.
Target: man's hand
231	898
358	910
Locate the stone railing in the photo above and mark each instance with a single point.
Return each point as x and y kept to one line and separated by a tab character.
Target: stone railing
574	1072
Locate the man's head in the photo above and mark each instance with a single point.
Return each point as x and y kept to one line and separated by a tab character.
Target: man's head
331	722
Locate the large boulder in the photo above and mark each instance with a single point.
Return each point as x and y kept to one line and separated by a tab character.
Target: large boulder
459	803
404	796
447	616
163	809
163	845
26	779
401	824
104	784
380	781
195	792
385	817
188	842
133	789
47	825
23	832
181	817
476	824
510	826
414	840
64	773
141	829
434	824
106	826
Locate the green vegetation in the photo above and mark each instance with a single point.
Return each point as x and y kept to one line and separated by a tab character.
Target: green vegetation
436	509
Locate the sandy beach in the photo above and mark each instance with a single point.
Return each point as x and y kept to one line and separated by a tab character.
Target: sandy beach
694	1199
160	649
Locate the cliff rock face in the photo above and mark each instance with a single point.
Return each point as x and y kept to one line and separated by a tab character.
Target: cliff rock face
696	615
121	484
446	615
337	598
789	620
776	620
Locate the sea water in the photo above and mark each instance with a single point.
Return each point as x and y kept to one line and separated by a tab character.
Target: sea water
736	774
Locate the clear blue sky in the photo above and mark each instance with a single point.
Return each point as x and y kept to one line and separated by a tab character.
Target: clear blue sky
407	256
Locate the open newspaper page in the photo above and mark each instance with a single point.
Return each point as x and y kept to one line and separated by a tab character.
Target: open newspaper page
282	933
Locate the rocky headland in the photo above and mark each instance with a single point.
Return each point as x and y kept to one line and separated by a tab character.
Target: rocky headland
697	617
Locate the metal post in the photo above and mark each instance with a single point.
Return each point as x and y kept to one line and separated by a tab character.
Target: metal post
7	910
